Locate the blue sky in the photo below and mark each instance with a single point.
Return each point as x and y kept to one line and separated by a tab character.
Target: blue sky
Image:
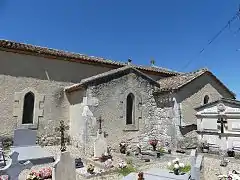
170	31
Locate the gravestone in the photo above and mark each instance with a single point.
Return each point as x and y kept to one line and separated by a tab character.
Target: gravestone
100	145
64	168
14	168
24	137
25	144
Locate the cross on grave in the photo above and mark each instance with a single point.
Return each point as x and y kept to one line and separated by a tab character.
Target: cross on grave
62	128
100	124
222	122
14	168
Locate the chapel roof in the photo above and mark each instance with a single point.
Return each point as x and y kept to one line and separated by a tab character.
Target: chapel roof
222	100
174	83
22	48
106	76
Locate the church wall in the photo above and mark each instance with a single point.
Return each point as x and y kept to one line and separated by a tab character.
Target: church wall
152	120
192	95
20	65
50	106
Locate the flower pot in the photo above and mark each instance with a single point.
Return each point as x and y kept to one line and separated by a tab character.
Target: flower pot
205	150
169	151
176	171
158	154
231	153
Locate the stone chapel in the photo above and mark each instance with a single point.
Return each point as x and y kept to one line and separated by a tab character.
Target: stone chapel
40	86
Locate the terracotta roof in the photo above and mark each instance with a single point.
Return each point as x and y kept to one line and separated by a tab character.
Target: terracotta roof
176	82
106	76
22	48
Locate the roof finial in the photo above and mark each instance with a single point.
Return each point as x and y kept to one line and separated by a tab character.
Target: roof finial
129	61
152	62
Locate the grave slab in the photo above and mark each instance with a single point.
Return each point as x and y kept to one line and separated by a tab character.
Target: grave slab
157	174
35	154
24	137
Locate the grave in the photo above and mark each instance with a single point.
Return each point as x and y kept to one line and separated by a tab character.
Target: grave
64	168
14	168
24	143
100	144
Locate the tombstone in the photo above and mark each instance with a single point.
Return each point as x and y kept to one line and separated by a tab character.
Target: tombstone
64	168
14	168
100	145
24	137
25	144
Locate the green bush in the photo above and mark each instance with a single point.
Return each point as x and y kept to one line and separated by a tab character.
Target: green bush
127	170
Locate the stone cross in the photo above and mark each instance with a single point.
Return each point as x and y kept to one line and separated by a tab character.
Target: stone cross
222	122
62	128
14	168
100	124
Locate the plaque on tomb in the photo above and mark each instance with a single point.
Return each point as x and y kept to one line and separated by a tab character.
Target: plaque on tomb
236	125
209	124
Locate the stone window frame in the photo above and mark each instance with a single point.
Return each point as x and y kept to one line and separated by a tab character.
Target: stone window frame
137	109
18	106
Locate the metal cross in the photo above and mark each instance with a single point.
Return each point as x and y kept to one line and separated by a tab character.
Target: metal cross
100	124
222	122
62	128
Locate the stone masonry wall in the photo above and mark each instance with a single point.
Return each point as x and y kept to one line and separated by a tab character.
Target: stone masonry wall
153	120
54	106
192	95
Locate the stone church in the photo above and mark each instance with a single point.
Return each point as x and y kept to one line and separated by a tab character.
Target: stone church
41	86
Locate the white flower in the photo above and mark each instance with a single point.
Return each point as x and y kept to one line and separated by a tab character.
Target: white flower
181	165
169	164
176	166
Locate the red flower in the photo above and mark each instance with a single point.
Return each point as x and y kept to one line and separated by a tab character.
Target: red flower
153	142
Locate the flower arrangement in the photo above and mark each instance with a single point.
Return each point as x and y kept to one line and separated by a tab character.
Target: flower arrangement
45	173
178	167
153	143
4	177
123	147
34	176
90	169
126	168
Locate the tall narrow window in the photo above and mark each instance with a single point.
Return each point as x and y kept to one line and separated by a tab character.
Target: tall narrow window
130	109
206	99
28	108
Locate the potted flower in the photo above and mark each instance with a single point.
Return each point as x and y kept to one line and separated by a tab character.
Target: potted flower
90	169
123	148
177	167
205	147
153	143
34	176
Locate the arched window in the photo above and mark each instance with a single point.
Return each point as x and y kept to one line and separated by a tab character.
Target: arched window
206	99
28	108
130	109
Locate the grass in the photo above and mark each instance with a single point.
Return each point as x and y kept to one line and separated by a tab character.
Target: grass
185	169
128	169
